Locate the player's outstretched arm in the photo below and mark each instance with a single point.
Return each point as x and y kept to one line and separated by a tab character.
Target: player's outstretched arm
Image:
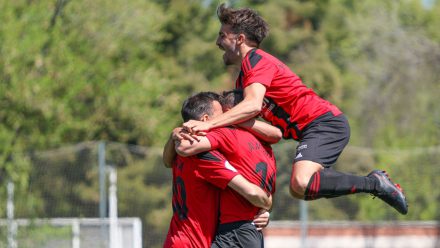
251	192
246	109
262	130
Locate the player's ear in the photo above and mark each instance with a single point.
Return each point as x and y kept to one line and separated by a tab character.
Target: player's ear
241	39
204	117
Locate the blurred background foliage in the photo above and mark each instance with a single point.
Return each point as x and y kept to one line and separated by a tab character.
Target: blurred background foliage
118	71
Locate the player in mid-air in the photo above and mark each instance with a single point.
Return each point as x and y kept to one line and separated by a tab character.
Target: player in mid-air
273	91
197	181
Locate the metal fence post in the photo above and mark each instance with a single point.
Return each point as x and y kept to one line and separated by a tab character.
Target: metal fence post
75	234
113	209
12	227
102	189
303	216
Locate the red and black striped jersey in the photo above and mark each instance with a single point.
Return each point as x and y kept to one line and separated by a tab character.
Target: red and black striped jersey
197	182
253	160
288	103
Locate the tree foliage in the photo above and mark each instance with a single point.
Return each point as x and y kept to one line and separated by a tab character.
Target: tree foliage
74	71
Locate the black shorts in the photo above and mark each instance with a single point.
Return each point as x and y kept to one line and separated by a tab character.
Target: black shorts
240	234
323	140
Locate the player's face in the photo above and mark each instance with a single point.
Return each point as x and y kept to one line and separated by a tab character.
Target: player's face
227	41
217	109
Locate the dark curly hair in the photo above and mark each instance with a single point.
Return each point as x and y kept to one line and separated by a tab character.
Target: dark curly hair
244	20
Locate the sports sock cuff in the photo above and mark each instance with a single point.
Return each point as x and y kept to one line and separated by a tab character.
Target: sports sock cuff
312	189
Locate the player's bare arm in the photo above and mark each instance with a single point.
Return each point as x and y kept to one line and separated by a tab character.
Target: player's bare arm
262	130
169	153
251	192
187	148
246	109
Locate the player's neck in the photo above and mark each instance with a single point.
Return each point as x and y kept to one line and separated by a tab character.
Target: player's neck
245	50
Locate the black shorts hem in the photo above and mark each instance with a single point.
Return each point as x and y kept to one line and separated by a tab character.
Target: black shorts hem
323	140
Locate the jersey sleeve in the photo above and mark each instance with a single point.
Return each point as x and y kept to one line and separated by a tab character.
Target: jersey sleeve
223	139
262	72
214	168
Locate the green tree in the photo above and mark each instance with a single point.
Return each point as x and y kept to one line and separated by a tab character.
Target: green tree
118	71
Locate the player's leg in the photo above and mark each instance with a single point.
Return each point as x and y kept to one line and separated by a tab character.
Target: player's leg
310	181
329	183
302	171
322	143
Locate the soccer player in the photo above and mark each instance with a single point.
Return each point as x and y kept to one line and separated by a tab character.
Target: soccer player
252	159
197	181
272	90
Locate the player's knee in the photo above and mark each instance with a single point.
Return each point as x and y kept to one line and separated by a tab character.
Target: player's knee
298	186
295	194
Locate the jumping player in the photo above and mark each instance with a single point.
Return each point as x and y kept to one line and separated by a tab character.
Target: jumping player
272	90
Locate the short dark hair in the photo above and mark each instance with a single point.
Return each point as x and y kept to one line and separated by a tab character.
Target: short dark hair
231	98
195	106
244	20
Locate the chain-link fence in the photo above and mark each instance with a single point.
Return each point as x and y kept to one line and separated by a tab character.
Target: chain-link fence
65	183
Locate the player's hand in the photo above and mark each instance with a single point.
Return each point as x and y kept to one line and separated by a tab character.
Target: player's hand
197	127
180	134
261	220
176	135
